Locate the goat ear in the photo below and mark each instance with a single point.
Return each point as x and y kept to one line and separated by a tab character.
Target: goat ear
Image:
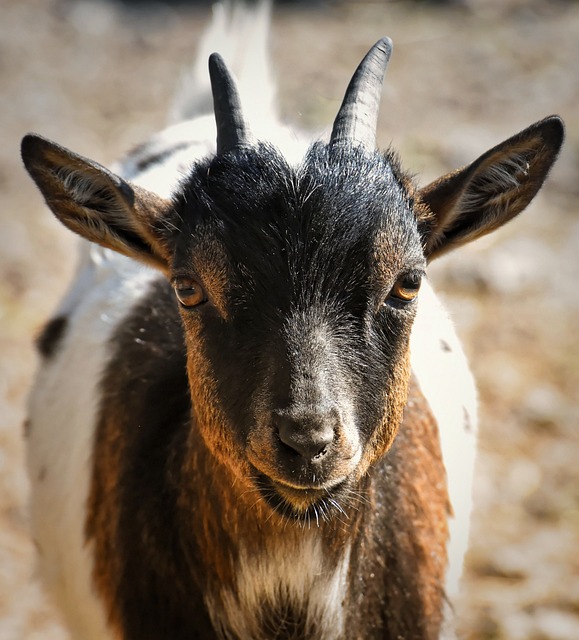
481	197
97	204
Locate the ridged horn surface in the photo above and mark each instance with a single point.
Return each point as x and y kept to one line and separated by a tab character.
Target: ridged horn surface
357	118
232	131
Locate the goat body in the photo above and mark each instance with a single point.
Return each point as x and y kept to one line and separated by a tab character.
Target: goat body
263	435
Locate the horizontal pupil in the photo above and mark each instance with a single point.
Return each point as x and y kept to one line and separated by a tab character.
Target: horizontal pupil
406	289
410	284
190	296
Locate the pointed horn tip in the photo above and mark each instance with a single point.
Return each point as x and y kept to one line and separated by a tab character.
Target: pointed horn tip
216	62
384	46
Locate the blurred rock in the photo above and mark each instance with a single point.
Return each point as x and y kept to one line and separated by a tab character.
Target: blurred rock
544	407
552	624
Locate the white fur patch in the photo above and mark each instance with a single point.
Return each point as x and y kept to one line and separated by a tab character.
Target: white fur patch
282	574
440	366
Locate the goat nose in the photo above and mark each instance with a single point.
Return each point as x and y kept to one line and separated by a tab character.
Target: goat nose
308	438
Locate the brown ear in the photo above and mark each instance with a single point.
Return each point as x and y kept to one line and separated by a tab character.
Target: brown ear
97	204
481	197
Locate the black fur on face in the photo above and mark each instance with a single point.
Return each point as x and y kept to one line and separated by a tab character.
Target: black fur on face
304	346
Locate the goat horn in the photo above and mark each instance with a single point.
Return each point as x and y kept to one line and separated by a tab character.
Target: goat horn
232	131
357	118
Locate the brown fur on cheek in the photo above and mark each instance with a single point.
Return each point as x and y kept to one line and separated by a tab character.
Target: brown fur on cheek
383	437
213	425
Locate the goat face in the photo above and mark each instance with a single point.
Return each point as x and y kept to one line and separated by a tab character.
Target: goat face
297	284
297	289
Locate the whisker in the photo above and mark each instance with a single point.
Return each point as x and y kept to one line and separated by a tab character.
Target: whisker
337	506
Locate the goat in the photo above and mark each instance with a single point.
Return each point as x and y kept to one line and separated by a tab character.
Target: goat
252	416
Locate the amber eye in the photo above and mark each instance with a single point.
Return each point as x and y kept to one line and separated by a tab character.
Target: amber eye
189	293
405	289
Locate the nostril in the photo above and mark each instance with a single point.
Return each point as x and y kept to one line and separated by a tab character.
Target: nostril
321	453
310	442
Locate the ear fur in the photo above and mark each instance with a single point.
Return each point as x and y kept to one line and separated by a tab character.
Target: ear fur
481	197
97	204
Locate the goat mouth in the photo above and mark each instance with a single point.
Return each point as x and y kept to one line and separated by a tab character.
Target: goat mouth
308	505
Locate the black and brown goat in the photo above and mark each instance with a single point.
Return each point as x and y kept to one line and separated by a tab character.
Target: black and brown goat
252	440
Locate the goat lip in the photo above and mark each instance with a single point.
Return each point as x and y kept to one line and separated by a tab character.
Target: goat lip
294	502
321	487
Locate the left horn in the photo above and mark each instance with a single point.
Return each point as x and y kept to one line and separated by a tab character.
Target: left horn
357	118
232	131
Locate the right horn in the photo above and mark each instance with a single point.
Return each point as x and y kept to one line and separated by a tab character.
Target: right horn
357	118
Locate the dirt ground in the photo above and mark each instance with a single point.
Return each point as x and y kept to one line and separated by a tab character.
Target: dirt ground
97	77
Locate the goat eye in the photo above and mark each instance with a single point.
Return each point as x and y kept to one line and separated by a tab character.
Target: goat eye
405	289
189	293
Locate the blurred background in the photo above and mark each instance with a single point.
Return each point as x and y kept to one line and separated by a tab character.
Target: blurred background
98	76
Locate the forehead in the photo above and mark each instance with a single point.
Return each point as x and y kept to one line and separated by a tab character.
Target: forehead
339	214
